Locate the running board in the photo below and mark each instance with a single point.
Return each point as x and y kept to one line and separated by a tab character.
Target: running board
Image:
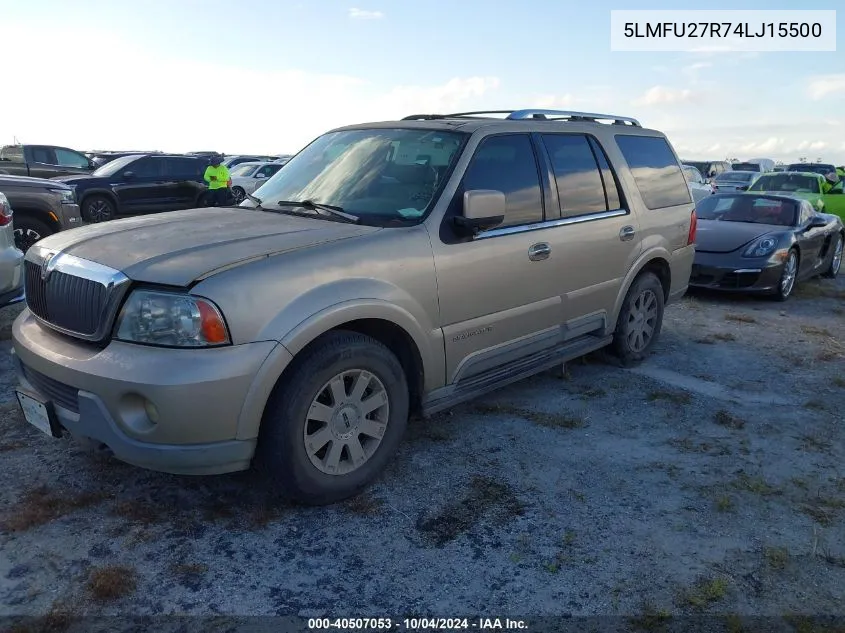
498	377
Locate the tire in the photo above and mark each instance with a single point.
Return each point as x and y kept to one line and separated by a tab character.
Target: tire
238	194
836	261
98	208
642	309
283	457
28	231
785	285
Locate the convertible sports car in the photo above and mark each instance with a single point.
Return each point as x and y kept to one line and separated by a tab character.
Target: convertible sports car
763	243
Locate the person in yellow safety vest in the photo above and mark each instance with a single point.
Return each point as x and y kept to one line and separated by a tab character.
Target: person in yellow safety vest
218	180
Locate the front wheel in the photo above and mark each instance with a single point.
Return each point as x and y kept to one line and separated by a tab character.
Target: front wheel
238	194
835	261
98	209
788	275
335	421
28	231
640	320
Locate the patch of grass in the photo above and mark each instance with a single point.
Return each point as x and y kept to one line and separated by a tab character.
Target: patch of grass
704	593
740	318
724	504
112	582
188	569
812	330
686	445
815	444
705	341
559	420
724	336
578	496
364	505
815	405
832	559
592	392
569	537
485	497
776	557
733	623
755	485
822	509
674	397
42	505
728	420
799	483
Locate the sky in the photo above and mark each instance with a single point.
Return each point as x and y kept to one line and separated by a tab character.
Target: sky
268	76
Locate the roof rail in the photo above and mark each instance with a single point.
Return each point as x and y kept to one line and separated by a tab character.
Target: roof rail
534	114
572	116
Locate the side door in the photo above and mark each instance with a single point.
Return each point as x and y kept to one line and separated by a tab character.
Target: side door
498	289
140	186
811	240
72	162
597	231
42	161
185	174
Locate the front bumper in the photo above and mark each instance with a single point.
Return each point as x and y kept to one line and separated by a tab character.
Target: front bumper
731	273
103	395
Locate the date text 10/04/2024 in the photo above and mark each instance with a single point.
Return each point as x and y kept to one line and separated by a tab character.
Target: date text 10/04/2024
416	624
723	29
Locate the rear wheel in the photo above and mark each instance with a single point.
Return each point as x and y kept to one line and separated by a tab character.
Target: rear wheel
640	320
28	231
787	277
836	261
98	209
335	421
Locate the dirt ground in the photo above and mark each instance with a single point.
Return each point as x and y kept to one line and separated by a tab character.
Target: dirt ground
709	480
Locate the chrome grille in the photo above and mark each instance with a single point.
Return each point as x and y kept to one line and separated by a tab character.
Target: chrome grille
76	297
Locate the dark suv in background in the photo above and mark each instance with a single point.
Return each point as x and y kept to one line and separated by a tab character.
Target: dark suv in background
140	183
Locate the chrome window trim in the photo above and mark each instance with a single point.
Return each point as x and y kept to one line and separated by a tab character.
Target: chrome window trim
550	224
115	282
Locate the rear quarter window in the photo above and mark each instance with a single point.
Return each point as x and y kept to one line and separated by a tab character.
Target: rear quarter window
655	169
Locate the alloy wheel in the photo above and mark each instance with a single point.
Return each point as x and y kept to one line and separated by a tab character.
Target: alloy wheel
99	211
836	264
641	321
24	238
346	422
787	280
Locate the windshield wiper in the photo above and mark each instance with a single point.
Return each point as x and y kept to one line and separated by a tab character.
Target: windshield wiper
316	206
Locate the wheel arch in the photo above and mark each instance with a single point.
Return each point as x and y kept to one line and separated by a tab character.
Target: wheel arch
44	214
655	261
107	193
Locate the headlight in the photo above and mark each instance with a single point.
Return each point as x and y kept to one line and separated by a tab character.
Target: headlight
68	196
761	248
171	319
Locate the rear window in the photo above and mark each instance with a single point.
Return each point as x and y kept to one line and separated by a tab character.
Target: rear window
12	154
791	183
736	176
656	170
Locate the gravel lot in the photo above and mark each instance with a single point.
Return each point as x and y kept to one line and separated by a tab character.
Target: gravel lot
708	480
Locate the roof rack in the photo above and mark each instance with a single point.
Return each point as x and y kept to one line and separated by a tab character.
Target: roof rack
533	114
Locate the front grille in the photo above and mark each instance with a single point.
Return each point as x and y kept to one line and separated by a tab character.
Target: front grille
69	302
57	392
726	279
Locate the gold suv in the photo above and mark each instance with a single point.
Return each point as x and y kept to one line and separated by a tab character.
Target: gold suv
389	268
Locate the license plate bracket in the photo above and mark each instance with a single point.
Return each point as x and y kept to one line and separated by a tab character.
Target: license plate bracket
39	413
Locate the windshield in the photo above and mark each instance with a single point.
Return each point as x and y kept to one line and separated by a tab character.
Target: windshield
792	183
745	208
377	174
112	167
244	169
736	176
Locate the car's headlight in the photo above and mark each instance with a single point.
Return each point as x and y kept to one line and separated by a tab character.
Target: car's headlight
171	319
68	196
761	248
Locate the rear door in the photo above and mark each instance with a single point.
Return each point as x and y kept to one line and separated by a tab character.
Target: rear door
184	176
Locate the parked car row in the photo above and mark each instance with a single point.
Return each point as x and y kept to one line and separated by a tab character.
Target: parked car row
421	263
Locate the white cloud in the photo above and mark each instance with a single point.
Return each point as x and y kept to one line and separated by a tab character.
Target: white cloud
168	104
663	95
824	85
363	14
693	69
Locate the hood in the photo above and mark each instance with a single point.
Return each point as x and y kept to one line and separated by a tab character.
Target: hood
73	178
180	247
28	181
716	236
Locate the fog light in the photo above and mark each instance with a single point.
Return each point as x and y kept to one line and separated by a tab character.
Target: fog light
152	411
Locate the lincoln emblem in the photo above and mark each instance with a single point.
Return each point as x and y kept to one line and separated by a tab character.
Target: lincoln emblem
48	265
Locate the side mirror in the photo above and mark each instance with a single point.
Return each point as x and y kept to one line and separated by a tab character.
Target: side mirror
817	222
260	175
129	175
483	209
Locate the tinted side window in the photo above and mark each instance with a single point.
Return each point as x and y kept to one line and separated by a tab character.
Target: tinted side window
43	155
186	168
655	170
507	163
12	154
611	188
146	167
67	158
579	183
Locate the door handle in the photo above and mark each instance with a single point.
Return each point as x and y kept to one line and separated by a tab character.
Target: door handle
539	251
627	233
